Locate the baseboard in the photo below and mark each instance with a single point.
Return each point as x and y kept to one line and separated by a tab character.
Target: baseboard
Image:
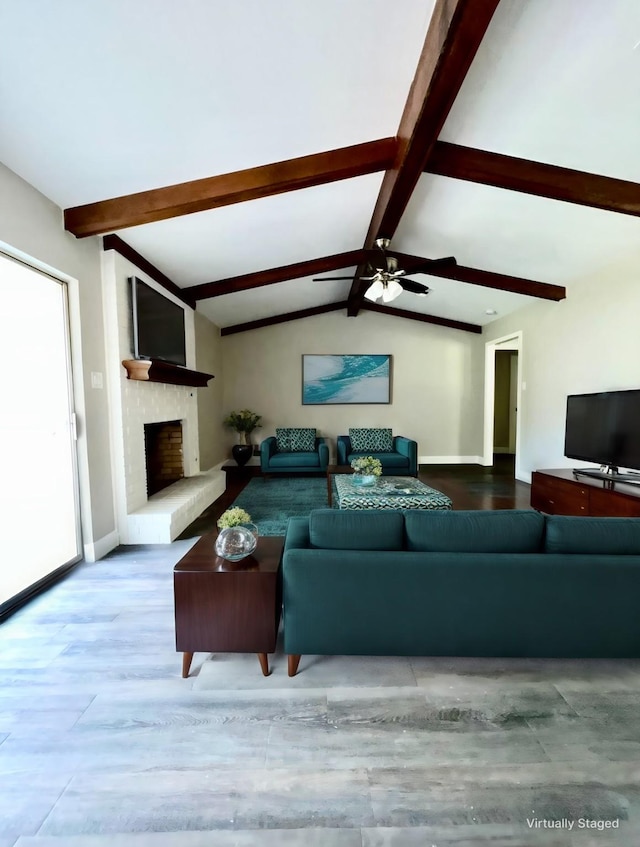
449	460
14	603
97	549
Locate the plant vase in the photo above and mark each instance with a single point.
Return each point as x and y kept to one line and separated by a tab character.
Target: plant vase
237	542
242	453
364	479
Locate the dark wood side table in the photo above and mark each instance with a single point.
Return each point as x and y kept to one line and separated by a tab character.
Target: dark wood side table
228	607
333	469
235	471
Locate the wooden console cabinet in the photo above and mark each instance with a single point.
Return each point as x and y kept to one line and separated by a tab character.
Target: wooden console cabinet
561	492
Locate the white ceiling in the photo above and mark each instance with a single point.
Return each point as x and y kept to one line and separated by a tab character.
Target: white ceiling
110	97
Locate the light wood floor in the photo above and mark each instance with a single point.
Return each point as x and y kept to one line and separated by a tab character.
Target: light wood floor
103	744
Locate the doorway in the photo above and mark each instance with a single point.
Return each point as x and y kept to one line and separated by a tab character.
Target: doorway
503	389
39	497
504	402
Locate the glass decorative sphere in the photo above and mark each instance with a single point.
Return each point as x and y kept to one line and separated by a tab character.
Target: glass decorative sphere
237	542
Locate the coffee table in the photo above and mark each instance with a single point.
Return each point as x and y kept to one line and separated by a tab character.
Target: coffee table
228	607
389	492
331	470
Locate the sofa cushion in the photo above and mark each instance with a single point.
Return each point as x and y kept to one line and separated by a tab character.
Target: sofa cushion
283	439
295	460
388	460
615	536
303	440
371	440
350	530
508	531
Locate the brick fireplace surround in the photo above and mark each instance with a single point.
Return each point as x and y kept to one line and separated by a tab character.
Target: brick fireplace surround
162	516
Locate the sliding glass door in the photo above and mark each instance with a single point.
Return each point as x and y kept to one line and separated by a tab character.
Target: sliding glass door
38	484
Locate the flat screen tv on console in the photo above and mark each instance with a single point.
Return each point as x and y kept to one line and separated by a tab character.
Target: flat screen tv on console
604	428
158	325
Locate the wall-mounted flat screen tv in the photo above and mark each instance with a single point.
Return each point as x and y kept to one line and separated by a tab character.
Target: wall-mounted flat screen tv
604	428
158	325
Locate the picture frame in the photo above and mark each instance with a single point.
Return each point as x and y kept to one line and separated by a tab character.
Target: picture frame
345	379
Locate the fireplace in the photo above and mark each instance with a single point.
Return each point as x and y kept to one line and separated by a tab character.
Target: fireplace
163	454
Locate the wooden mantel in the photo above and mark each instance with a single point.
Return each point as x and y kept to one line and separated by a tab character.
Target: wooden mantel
154	370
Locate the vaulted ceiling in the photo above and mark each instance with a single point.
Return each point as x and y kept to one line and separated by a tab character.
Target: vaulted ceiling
244	148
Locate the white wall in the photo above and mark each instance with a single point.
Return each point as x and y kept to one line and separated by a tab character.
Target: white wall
437	380
33	225
588	342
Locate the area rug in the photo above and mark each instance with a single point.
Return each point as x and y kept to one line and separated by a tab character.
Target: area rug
272	502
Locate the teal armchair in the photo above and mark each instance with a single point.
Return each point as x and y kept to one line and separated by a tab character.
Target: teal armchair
398	458
288	457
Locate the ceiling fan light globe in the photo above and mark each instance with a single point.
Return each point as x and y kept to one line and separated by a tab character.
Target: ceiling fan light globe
374	291
392	290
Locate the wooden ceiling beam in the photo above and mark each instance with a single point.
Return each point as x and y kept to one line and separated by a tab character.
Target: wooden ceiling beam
245	282
488	279
334	307
201	194
456	30
418	316
528	177
114	242
280	319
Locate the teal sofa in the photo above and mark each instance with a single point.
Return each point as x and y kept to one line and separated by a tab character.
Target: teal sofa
274	461
421	583
401	460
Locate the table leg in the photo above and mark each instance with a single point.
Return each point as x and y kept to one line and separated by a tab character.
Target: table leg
186	664
293	660
264	663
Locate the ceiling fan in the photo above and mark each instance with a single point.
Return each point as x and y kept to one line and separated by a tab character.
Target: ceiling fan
388	280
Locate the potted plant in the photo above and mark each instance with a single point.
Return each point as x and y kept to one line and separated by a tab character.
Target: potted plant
366	469
243	422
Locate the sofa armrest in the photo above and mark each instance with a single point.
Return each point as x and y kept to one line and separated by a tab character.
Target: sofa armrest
409	448
267	448
297	537
344	449
323	452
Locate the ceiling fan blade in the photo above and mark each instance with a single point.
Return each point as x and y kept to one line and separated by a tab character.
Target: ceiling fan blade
332	278
413	286
424	267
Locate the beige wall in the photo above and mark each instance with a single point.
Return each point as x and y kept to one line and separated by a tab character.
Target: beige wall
213	438
33	225
588	342
437	379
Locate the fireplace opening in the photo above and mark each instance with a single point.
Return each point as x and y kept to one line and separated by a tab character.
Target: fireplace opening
163	452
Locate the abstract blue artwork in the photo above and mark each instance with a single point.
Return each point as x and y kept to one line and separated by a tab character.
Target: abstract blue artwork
330	379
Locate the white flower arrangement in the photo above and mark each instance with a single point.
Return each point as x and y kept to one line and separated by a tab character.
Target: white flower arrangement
367	466
233	517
